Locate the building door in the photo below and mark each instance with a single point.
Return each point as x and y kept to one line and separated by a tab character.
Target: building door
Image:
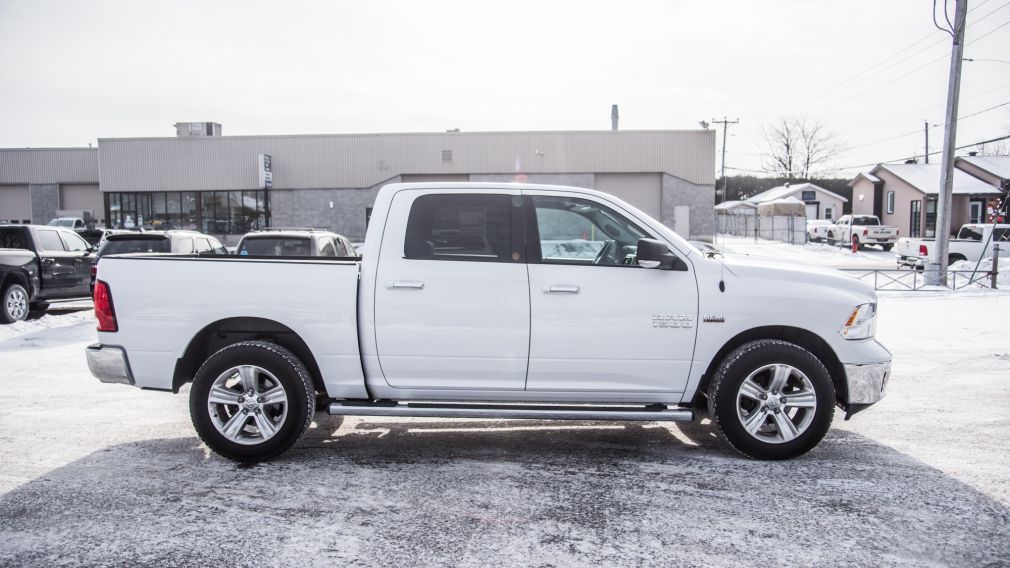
976	211
682	220
813	210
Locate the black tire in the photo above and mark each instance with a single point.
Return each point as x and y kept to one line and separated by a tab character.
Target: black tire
831	239
38	308
952	258
13	303
724	398
887	248
278	363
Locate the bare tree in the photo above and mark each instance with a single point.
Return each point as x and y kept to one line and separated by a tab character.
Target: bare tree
997	148
798	147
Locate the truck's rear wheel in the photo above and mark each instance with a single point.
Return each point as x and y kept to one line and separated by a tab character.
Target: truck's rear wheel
772	400
13	303
251	401
887	248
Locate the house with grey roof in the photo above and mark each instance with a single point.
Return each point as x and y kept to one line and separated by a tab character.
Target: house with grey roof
905	196
994	170
820	203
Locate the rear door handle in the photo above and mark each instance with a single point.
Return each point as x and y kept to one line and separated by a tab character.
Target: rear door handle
561	289
414	284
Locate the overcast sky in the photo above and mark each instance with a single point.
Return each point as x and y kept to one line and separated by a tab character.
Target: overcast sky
869	70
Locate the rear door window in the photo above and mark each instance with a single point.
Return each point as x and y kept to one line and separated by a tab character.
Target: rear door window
50	241
13	238
463	227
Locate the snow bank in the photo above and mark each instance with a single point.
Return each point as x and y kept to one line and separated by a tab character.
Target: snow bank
1002	280
48	321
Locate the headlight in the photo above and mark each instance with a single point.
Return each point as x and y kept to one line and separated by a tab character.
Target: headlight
862	323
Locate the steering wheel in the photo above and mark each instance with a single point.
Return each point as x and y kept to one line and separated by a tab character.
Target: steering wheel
606	250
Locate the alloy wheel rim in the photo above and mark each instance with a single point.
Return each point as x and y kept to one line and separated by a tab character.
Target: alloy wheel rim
247	404
17	304
776	403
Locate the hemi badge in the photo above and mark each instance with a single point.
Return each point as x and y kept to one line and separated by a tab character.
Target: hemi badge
714	319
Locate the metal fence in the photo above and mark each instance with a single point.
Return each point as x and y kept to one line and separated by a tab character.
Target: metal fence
788	229
916	280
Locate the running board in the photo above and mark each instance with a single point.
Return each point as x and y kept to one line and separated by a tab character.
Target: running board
652	413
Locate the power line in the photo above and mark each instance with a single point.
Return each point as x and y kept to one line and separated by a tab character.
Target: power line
849	82
902	160
917	131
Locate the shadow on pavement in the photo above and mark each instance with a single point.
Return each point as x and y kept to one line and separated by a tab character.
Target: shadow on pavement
431	492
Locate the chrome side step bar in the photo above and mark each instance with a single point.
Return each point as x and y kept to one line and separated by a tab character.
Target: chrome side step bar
650	413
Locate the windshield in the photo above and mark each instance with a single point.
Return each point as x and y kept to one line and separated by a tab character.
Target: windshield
126	246
275	246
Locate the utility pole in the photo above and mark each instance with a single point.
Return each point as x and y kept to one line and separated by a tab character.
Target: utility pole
926	130
725	125
938	262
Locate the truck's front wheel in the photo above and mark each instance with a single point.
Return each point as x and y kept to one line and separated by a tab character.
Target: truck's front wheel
251	401
772	400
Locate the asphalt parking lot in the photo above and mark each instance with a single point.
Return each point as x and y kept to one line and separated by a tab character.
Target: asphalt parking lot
103	475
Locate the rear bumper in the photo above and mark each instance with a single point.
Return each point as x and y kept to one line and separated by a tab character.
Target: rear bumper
866	383
109	364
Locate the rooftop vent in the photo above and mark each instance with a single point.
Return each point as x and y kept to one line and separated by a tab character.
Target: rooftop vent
197	129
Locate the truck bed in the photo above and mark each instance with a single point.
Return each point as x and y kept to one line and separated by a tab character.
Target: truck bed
163	301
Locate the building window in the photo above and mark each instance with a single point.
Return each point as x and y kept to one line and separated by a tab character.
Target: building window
829	213
931	218
213	212
914	226
890	202
808	196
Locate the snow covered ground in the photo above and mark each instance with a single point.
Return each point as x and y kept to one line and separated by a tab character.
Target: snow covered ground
94	474
819	254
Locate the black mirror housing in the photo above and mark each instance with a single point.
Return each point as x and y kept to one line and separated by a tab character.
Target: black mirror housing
656	254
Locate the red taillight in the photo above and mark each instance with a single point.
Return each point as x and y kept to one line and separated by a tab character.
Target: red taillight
104	311
923	251
865	232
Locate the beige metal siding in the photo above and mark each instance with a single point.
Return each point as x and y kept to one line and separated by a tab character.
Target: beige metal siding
86	197
15	203
48	165
641	190
357	161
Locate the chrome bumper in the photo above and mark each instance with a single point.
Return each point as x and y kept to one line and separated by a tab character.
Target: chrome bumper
867	382
109	364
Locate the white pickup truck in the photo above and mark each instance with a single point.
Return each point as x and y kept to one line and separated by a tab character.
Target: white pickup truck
972	243
456	309
859	229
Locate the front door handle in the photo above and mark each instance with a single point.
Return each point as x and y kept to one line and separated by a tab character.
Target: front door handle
561	289
49	261
414	284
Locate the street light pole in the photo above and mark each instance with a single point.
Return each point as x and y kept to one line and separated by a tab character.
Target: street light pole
937	273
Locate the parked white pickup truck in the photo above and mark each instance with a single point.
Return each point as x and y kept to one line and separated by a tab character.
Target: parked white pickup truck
972	243
456	310
859	229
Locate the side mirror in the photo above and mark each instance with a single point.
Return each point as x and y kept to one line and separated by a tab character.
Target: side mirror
656	254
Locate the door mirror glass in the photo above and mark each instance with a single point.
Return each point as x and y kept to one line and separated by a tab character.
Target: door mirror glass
656	254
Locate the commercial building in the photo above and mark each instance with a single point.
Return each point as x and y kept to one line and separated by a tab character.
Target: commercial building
212	183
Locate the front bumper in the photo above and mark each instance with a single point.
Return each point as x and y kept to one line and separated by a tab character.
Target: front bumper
109	364
866	383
